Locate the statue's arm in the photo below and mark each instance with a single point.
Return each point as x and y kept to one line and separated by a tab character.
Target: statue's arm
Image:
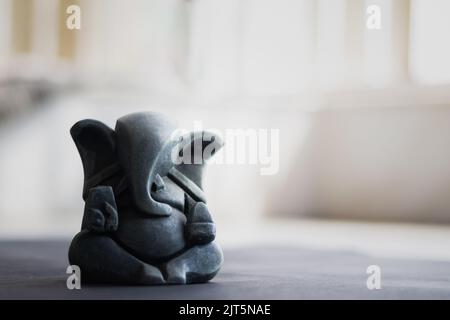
100	212
200	228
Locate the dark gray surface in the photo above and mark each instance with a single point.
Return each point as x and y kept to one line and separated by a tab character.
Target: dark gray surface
36	270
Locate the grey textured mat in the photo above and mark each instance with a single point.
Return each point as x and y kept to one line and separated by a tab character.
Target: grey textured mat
36	270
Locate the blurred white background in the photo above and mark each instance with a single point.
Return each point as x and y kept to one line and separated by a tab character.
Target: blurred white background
364	115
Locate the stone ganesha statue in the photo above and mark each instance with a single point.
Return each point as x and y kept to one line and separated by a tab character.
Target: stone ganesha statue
145	218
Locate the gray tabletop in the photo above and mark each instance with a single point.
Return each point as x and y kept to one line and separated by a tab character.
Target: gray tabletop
36	270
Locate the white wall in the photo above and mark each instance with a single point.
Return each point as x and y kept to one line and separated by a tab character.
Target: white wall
430	48
377	162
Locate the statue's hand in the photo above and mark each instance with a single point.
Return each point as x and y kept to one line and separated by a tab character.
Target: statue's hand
101	212
200	228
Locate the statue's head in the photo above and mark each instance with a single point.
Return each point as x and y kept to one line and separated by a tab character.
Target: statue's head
143	150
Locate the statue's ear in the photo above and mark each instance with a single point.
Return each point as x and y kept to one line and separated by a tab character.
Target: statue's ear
96	144
194	150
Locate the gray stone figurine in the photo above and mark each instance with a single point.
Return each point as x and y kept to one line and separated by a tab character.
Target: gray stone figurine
145	219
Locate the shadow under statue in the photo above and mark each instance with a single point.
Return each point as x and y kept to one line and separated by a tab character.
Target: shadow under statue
145	218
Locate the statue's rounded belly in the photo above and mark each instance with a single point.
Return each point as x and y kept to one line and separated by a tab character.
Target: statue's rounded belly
152	239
